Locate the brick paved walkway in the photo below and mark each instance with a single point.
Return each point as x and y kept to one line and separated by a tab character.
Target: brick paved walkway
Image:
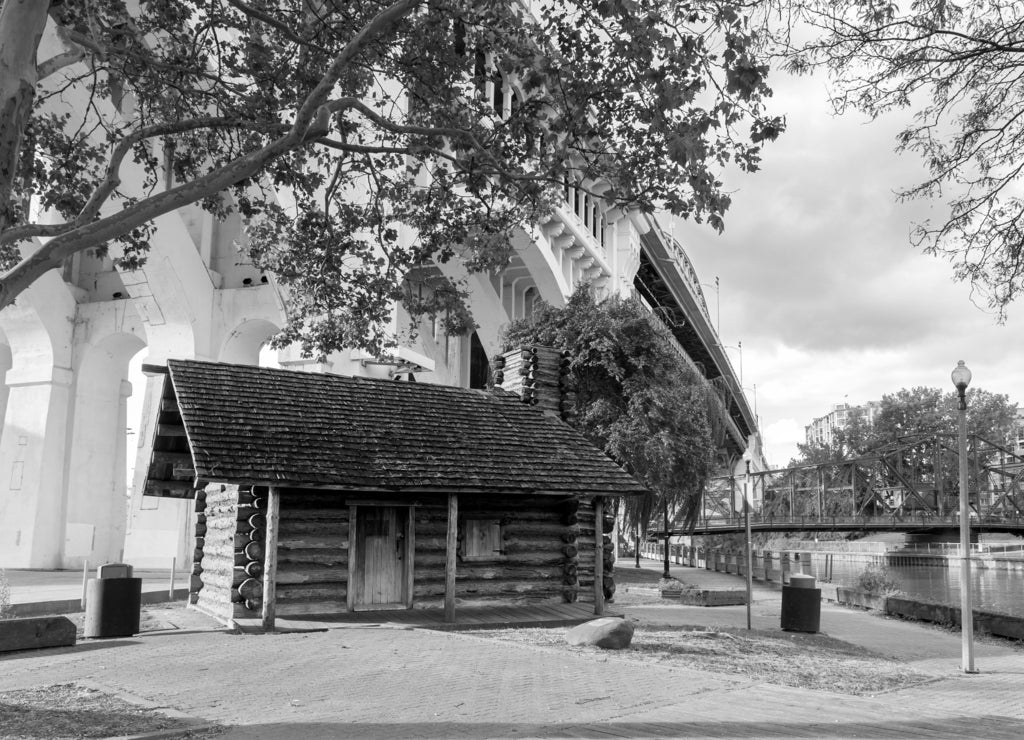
398	683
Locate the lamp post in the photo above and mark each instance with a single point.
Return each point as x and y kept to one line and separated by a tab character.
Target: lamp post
961	377
718	305
757	420
746	527
739	348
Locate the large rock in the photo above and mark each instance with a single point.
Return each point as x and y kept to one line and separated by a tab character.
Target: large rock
610	633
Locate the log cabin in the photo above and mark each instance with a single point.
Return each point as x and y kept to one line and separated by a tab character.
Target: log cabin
319	494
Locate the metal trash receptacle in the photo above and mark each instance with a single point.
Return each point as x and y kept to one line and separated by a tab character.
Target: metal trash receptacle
801	605
113	602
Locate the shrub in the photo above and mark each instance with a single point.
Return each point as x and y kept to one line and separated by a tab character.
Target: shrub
876	579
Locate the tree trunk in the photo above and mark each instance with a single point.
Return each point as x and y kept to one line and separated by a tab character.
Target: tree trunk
21	27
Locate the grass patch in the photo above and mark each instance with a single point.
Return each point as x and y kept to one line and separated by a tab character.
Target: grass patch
73	711
789	659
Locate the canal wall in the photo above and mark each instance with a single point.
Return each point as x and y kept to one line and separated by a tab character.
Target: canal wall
777	567
987	561
1001	625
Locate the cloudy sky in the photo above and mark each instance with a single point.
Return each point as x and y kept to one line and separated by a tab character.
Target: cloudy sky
820	284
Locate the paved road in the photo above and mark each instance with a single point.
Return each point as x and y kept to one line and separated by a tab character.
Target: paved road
396	683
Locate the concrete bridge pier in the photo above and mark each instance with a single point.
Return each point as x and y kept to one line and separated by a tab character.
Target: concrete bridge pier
36	413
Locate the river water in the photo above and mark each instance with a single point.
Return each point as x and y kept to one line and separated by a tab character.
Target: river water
993	590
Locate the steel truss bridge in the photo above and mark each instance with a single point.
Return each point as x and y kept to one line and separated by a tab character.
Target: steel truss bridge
908	485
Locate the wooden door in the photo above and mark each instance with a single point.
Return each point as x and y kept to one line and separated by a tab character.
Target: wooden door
381	558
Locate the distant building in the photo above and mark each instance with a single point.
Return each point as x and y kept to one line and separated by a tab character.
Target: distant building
1016	440
822	430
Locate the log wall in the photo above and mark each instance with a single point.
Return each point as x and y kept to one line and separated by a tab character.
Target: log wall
312	552
539	561
547	551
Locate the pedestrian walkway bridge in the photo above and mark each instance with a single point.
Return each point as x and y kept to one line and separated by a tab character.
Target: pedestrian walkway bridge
909	485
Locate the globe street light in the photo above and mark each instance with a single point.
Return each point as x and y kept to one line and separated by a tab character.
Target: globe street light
961	377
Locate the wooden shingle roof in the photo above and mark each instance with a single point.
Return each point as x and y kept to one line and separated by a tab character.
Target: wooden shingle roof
265	426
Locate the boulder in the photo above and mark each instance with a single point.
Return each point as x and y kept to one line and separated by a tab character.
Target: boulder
610	633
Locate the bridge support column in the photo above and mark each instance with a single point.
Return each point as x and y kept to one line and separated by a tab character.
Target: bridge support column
33	443
31	469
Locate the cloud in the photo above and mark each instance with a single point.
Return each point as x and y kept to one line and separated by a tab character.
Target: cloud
821	285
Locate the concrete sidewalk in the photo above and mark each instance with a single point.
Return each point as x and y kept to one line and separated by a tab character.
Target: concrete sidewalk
36	592
398	683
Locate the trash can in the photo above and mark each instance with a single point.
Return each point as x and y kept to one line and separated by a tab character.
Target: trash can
113	602
801	604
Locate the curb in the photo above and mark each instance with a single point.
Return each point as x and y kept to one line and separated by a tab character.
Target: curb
162	734
74	606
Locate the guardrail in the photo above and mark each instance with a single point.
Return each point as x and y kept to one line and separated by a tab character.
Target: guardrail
890	521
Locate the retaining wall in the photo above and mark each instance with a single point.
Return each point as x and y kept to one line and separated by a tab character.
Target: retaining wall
993	623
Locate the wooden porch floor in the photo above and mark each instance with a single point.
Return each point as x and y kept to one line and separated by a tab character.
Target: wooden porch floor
466	618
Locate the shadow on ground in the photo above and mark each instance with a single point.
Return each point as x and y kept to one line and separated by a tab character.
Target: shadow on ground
956	727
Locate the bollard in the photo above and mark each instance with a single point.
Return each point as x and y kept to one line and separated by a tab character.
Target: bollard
85	581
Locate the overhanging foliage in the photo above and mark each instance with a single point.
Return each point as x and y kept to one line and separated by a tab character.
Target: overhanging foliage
362	140
637	398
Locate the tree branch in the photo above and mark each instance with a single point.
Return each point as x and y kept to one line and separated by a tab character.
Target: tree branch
111	178
269	20
310	124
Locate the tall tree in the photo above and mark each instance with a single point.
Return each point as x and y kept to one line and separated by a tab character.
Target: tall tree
637	399
913	412
927	411
360	140
958	67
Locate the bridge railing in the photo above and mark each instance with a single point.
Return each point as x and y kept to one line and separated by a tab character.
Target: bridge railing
896	521
954	547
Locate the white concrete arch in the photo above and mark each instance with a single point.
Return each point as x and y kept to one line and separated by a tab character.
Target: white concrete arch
96	484
243	343
544	267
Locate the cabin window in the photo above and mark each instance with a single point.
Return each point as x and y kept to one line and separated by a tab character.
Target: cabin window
483	540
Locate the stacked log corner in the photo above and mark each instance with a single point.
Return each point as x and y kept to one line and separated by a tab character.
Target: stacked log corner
571	579
586	549
228	551
540	376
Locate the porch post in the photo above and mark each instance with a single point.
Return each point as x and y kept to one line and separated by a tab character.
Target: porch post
450	557
270	559
599	556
